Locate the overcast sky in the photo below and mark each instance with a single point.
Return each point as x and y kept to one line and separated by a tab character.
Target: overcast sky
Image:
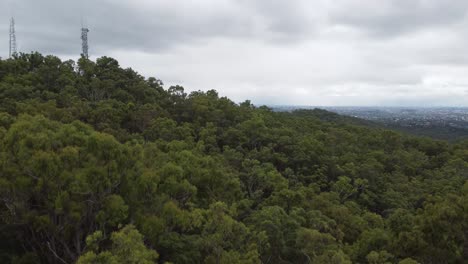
301	52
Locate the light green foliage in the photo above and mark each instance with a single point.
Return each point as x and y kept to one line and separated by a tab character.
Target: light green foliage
126	247
344	188
314	244
381	257
408	261
114	211
222	235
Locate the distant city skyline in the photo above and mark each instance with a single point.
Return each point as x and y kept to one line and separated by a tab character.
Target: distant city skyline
298	52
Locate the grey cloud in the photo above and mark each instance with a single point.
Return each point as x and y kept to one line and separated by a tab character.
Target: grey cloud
284	19
117	24
154	26
388	18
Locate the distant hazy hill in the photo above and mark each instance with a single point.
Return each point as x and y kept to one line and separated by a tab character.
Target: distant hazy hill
419	126
442	132
329	116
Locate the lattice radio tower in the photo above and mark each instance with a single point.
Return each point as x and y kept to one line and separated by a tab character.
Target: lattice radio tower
84	41
12	38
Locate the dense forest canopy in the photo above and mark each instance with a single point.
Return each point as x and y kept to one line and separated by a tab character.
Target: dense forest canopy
101	165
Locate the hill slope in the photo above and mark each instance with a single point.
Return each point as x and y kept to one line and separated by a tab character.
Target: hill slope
101	165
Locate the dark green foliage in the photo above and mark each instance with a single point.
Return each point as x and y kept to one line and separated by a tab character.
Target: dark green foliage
100	165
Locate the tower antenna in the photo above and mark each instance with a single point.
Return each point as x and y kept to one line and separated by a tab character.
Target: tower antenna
84	40
12	38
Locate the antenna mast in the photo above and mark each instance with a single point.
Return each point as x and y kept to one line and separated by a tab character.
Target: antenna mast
12	38
84	41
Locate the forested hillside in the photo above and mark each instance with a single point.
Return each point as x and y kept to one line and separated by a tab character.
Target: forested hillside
101	165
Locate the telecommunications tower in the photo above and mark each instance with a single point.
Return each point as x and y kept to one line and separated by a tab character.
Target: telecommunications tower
12	38
84	41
